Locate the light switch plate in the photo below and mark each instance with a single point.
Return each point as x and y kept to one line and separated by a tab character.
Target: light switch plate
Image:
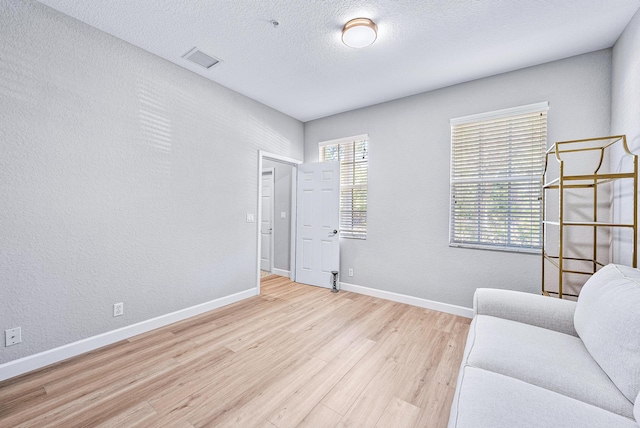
250	218
283	214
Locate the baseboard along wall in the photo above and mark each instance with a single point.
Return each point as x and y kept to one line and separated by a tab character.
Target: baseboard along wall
409	300
55	355
280	272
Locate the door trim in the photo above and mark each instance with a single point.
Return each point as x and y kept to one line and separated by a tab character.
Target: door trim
293	162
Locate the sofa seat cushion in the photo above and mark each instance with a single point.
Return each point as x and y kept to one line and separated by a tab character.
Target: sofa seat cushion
549	359
607	318
491	400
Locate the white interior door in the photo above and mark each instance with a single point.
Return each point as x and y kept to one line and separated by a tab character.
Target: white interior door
266	224
318	207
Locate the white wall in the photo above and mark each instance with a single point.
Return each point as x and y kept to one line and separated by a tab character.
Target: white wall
407	250
282	203
625	119
123	178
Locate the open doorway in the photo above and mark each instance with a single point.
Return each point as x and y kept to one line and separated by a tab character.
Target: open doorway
267	219
276	216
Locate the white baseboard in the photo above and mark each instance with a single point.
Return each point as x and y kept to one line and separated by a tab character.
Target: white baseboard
280	272
42	359
409	300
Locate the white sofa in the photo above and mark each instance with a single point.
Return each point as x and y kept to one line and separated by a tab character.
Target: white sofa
536	361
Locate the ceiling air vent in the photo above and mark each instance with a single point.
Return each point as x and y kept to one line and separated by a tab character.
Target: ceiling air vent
201	58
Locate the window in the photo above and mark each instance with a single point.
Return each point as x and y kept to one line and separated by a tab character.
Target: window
353	155
497	160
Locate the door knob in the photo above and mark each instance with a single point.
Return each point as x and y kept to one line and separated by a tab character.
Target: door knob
334	233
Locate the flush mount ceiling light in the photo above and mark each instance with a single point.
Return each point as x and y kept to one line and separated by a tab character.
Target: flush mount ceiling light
359	33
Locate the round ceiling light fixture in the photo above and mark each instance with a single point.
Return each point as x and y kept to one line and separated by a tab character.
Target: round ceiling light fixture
359	33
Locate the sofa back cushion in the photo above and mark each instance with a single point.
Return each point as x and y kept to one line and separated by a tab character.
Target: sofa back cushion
607	319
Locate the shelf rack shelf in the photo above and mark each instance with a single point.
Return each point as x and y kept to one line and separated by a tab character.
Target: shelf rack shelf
569	157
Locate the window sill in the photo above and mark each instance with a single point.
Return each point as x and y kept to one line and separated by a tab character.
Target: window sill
497	248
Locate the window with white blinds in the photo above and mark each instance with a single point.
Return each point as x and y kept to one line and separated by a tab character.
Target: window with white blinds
353	155
497	161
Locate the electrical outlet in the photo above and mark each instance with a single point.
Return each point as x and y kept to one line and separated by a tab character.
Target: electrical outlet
118	309
13	336
350	271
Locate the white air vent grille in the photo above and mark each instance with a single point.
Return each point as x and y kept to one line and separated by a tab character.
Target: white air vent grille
201	58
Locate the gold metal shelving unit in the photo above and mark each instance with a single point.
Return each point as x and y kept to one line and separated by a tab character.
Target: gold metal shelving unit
584	201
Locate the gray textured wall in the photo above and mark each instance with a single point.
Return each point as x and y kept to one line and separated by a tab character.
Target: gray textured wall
123	178
625	119
407	250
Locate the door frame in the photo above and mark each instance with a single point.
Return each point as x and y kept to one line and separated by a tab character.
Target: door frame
293	216
271	171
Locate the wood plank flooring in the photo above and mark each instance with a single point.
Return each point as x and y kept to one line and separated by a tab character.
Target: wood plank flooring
295	356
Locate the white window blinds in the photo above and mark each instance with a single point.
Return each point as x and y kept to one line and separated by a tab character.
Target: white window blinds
497	160
353	155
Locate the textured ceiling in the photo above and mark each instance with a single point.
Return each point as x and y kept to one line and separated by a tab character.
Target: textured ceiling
301	67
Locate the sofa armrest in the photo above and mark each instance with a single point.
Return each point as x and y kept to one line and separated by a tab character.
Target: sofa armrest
533	309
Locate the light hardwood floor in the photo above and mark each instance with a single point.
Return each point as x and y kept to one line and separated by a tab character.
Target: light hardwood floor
295	356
